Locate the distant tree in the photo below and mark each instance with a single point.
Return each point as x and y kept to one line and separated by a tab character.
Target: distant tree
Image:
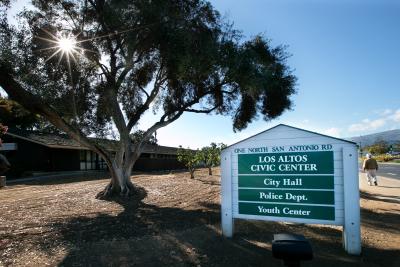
138	136
189	158
396	146
96	66
211	155
379	147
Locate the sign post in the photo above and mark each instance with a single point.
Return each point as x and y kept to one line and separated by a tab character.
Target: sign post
281	177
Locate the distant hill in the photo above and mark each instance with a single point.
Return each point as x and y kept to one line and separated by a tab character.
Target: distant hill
391	137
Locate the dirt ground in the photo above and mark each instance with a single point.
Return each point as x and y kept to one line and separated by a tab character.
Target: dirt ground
177	223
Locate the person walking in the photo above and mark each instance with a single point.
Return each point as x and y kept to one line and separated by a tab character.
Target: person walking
370	166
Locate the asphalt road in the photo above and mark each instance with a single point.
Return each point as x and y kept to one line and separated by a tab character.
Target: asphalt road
389	170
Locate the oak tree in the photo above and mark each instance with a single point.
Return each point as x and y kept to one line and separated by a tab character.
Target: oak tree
96	66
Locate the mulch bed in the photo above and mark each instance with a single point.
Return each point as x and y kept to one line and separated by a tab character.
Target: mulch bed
176	222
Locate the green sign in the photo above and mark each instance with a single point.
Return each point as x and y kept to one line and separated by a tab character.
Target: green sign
286	163
293	211
287	181
287	196
292	184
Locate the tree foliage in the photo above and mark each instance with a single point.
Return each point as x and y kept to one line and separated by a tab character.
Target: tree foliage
132	56
210	156
15	116
138	136
379	147
190	158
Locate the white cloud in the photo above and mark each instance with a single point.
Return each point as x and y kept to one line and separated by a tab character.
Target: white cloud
375	124
383	112
386	112
332	131
396	116
388	119
367	125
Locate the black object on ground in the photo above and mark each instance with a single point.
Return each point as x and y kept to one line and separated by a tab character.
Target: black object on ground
291	248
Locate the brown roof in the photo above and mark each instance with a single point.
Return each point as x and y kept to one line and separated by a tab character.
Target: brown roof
159	149
64	141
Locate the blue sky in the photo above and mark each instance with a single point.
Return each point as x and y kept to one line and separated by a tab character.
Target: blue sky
346	55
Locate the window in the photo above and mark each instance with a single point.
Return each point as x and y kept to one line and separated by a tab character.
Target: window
91	161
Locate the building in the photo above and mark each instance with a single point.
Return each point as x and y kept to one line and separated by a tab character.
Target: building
31	152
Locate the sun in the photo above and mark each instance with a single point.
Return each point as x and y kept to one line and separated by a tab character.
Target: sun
67	44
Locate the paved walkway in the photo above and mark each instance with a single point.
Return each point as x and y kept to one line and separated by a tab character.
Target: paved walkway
59	175
388	188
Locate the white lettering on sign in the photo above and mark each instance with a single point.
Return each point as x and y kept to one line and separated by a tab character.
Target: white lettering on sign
297	198
293	158
285	210
284	167
297	182
266	159
272	182
270	195
257	168
274	210
289	211
297	167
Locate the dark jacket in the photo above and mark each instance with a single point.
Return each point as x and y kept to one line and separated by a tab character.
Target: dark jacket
370	164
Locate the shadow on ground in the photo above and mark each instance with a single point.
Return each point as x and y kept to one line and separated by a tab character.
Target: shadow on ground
380	197
149	235
82	176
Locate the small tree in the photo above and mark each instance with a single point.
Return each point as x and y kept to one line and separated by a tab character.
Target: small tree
189	158
210	155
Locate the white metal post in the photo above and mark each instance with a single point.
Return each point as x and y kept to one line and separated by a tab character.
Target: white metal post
351	227
226	194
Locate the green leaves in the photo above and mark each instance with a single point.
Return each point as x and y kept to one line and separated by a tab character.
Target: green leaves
15	116
208	156
188	157
130	56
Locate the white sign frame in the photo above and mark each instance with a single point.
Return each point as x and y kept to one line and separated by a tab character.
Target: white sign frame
347	199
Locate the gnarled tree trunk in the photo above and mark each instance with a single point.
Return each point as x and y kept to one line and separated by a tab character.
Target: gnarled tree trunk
121	170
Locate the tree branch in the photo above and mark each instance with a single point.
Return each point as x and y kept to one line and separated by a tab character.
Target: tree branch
150	98
161	123
35	105
123	74
205	111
